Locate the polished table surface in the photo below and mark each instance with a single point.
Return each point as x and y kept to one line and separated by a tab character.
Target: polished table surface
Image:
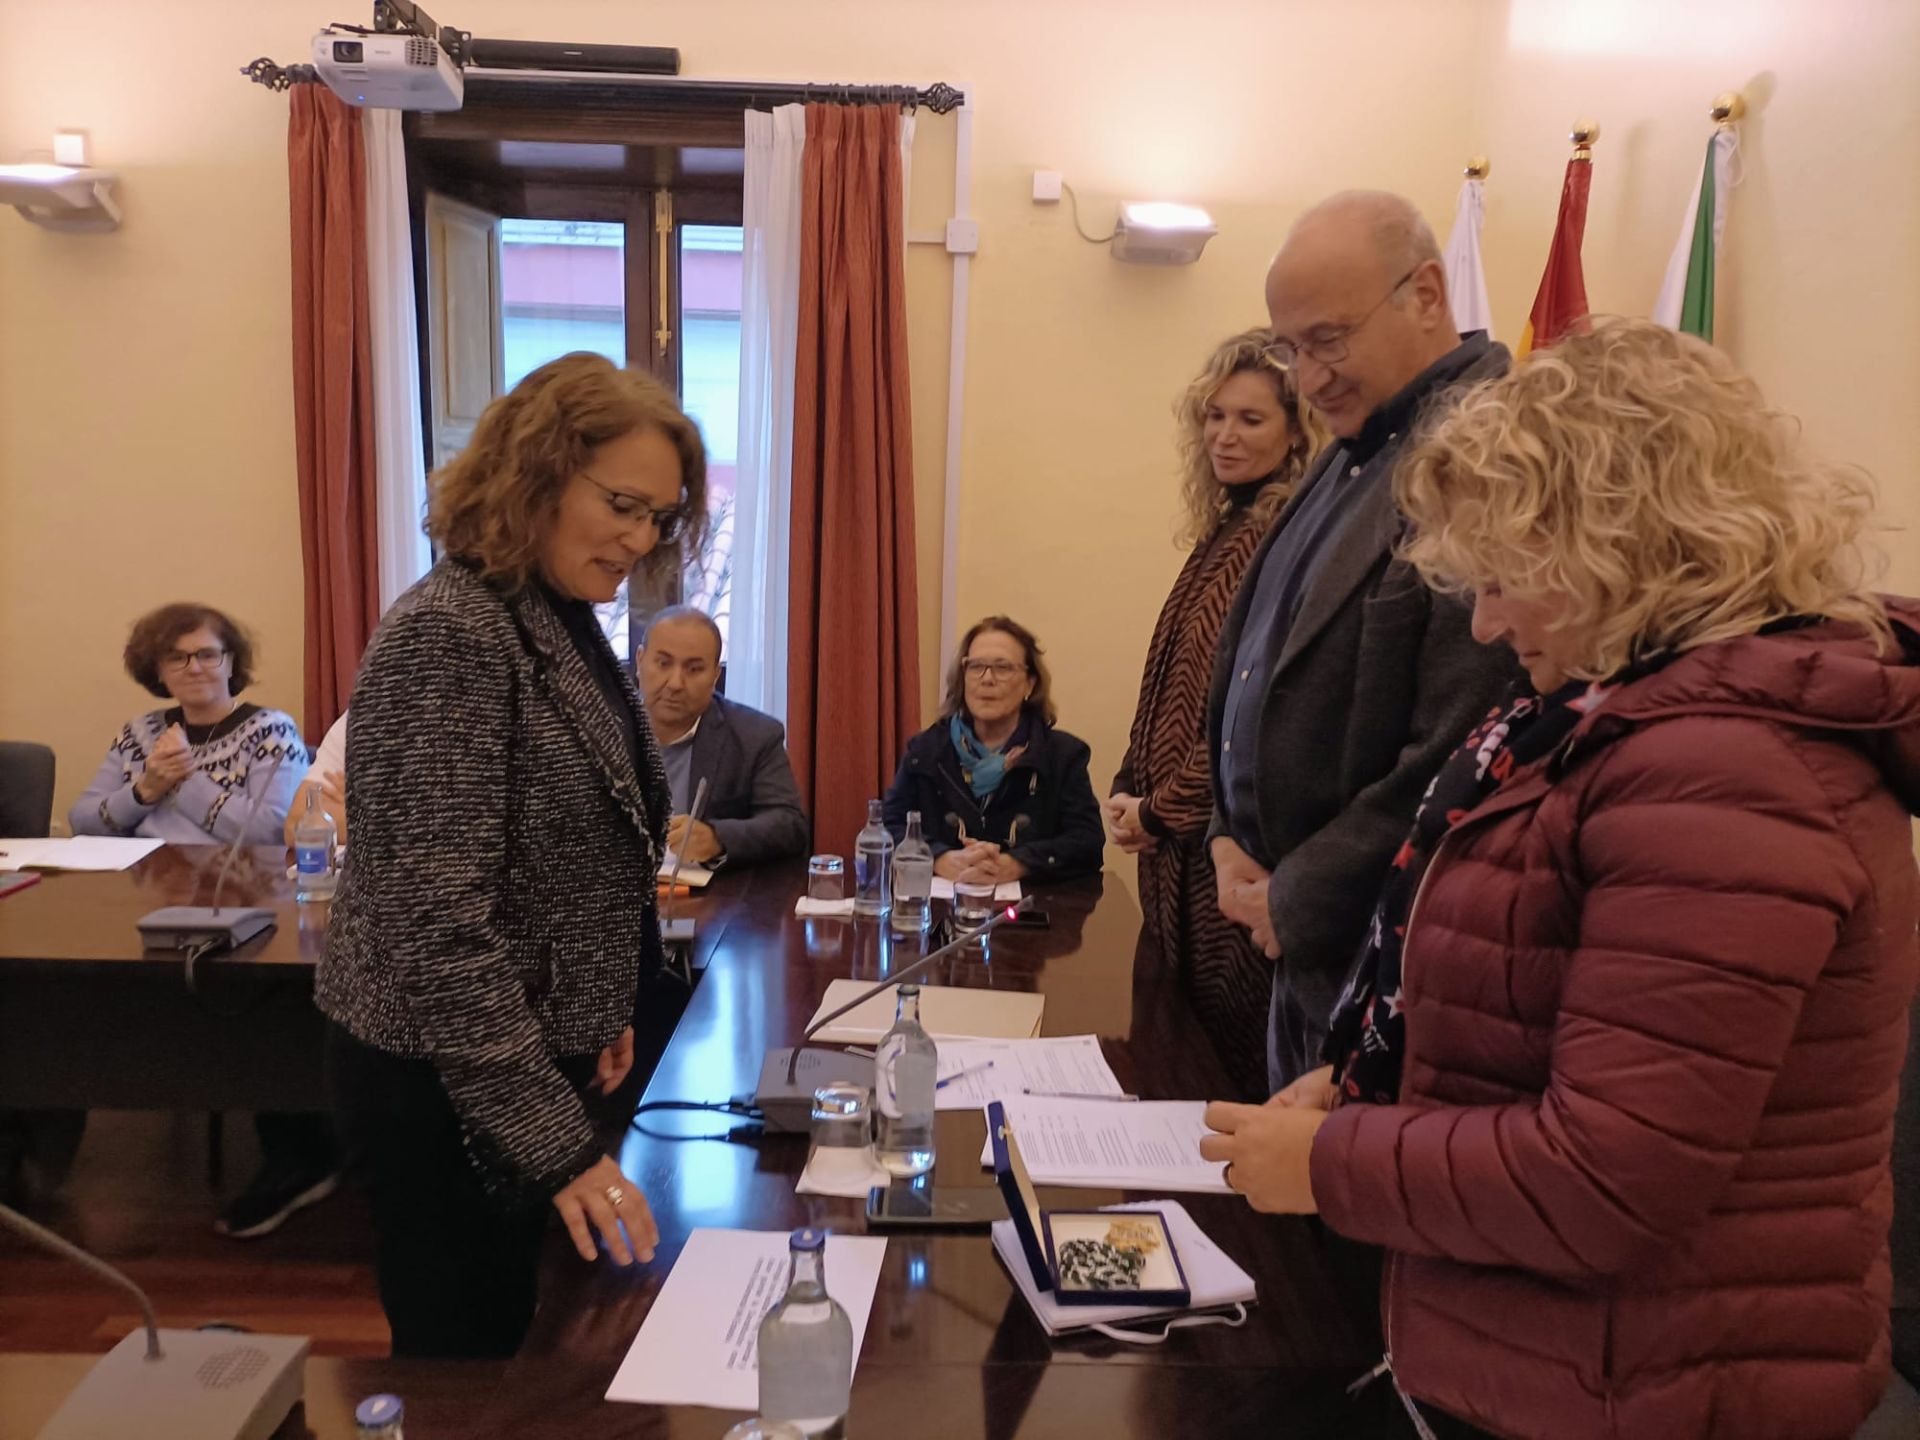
244	1036
950	1349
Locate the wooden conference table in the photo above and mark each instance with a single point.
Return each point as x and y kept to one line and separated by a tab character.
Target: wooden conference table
951	1349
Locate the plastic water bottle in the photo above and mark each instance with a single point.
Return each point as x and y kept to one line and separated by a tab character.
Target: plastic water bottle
378	1417
912	879
872	860
313	839
806	1346
904	1071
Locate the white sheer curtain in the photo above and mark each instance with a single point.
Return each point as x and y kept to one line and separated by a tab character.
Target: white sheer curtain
399	460
769	324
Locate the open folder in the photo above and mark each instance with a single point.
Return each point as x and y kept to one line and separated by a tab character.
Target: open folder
947	1012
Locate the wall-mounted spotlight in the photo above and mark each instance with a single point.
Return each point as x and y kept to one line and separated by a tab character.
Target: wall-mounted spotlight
66	195
1157	232
1151	232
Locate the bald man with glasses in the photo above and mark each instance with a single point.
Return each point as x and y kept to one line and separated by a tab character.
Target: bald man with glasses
1341	682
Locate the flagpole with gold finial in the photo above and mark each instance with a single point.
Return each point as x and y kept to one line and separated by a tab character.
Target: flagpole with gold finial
1561	301
1686	299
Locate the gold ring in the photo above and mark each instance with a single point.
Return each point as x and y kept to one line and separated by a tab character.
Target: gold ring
616	1197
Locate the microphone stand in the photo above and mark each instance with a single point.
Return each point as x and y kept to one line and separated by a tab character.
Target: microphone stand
919	967
672	930
785	1101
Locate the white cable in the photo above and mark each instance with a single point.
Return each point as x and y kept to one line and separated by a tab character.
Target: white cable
1074	201
1181	1322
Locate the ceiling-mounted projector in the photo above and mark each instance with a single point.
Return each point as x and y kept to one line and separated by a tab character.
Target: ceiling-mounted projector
391	72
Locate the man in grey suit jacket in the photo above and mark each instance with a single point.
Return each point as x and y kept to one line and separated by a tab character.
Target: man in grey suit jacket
1341	682
753	809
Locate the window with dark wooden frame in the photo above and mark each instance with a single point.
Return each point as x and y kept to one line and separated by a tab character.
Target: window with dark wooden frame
556	217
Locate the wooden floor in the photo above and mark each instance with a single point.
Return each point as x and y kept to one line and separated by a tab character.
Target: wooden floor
139	1197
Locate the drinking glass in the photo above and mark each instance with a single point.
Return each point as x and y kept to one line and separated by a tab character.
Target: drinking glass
826	878
972	903
842	1116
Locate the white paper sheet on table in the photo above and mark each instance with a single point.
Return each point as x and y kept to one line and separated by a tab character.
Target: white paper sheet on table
699	1343
846	1171
1213	1279
77	852
694	877
1051	1065
1143	1145
1006	892
948	1012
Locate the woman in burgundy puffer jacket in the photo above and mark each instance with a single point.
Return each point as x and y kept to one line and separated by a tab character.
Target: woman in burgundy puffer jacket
1614	1082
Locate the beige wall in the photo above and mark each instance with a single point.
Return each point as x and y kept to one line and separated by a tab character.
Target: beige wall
144	405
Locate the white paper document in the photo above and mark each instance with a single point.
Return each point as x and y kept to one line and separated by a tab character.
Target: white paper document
1006	892
846	1171
694	877
948	1012
1148	1145
699	1344
974	1072
1213	1278
78	852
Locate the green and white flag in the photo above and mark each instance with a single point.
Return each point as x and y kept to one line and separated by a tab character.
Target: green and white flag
1686	297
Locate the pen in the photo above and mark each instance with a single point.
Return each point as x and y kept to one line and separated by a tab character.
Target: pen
962	1074
1072	1095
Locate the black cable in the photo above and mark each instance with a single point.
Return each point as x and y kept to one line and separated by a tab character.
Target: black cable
203	998
740	1134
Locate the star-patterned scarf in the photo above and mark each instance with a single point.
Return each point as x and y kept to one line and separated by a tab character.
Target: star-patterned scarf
1368	1039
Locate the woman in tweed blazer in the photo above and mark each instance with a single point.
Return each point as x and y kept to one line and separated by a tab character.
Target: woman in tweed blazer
1244	440
508	810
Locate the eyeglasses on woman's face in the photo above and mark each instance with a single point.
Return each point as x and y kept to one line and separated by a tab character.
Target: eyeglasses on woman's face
631	509
998	671
177	661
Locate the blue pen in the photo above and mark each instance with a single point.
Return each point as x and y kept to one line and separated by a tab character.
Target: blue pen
961	1075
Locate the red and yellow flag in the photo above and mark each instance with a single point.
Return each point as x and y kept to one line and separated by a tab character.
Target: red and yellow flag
1563	288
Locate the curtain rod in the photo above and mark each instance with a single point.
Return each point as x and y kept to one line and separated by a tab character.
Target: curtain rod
941	98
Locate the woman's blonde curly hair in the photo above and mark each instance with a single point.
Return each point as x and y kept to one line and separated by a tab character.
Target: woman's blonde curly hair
492	503
1204	499
1636	475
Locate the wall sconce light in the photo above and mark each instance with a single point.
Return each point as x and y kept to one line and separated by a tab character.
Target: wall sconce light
1150	232
1156	232
67	195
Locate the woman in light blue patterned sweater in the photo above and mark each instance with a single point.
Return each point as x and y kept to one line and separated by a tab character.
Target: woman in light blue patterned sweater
189	773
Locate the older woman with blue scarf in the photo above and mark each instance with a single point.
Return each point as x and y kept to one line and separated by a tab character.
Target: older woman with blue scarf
1002	794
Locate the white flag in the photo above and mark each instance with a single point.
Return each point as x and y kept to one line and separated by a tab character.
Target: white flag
1466	281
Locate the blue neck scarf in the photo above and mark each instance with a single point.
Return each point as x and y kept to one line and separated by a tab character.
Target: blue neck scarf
981	768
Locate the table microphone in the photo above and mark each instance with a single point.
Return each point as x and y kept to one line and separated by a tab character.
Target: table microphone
173	1384
790	1075
674	931
202	927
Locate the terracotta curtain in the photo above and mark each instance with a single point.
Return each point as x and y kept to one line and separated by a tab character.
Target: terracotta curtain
853	664
332	394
